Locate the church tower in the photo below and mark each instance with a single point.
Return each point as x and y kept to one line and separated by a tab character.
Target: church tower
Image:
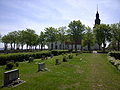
97	20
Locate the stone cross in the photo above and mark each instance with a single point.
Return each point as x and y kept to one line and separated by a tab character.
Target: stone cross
10	76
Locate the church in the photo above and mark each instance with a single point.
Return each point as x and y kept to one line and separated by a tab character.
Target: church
71	45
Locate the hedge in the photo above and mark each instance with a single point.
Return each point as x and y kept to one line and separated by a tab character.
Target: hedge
115	62
22	56
4	58
115	54
58	52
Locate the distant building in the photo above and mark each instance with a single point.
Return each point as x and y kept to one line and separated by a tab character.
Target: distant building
66	45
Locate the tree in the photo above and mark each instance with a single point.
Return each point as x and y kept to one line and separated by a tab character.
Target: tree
51	35
103	34
29	38
35	40
62	36
116	33
88	38
42	39
5	40
22	38
75	30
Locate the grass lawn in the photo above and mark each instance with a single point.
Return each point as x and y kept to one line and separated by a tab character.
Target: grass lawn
84	72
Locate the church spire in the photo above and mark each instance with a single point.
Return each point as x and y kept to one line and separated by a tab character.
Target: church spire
97	7
97	20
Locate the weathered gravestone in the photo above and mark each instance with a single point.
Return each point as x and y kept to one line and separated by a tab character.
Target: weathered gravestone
41	67
57	62
95	52
31	59
10	76
51	55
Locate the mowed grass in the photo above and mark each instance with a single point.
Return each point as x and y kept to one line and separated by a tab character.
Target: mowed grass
86	71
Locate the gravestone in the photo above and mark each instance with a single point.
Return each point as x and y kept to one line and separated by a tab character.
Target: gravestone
51	55
57	62
10	76
95	52
31	59
41	67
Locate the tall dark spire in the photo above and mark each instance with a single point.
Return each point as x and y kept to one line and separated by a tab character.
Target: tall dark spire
97	20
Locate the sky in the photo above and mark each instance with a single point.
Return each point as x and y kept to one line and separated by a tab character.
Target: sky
38	14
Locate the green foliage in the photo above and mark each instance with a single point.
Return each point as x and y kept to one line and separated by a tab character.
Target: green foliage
115	62
58	52
116	34
103	34
16	64
57	61
26	56
75	31
115	54
10	65
88	39
70	56
22	56
65	59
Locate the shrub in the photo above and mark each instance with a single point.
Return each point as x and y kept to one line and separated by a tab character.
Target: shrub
10	65
57	62
16	64
22	56
58	52
115	54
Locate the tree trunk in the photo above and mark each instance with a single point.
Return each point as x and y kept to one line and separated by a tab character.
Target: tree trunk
27	46
5	46
41	47
81	45
75	46
11	46
52	46
14	45
22	46
118	45
17	46
104	45
89	47
99	46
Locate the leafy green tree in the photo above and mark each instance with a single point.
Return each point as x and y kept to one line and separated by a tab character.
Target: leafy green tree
116	33
29	38
75	30
103	34
51	35
5	40
13	36
42	39
61	35
88	38
22	38
35	40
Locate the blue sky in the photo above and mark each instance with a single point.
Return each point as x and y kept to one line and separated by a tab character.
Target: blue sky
38	14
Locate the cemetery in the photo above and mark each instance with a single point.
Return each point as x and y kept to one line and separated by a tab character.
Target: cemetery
59	45
66	71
